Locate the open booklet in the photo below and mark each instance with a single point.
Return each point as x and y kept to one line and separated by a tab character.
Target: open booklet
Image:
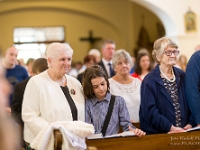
193	129
123	134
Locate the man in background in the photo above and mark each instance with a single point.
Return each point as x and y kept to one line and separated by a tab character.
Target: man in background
14	73
8	135
107	51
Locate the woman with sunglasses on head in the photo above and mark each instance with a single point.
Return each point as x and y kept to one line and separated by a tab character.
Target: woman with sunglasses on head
163	107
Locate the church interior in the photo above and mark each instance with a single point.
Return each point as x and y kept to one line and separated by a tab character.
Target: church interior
31	25
132	24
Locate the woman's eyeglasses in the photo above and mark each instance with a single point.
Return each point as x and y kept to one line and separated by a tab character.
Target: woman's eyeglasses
169	52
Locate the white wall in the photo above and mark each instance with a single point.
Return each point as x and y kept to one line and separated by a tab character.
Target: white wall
119	20
171	13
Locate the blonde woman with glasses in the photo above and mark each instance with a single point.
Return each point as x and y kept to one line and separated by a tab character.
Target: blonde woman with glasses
163	105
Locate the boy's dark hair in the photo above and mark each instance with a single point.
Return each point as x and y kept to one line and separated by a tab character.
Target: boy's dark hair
39	65
92	73
138	68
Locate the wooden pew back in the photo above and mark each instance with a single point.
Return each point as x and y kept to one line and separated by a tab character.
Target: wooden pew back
178	141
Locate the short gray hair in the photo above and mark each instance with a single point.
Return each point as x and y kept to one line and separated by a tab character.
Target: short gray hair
54	48
160	45
119	54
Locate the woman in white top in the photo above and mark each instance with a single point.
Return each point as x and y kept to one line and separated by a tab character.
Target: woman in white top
44	99
124	84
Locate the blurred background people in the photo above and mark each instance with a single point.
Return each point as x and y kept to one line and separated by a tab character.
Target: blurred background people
142	66
163	105
124	85
52	95
73	72
96	54
39	65
182	62
29	66
14	73
78	65
107	51
133	66
89	60
75	68
8	135
143	50
21	62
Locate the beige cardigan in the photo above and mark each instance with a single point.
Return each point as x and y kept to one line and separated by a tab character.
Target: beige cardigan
44	103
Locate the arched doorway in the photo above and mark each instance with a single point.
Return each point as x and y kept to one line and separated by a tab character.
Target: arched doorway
167	21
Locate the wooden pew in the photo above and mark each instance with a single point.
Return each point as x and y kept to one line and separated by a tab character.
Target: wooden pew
178	141
137	125
58	141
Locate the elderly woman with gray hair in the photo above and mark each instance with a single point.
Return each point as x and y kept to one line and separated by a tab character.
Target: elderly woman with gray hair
124	84
163	106
52	95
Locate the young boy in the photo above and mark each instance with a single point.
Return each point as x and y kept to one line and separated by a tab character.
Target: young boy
96	90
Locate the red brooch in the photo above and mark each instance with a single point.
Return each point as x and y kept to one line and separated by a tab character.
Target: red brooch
72	91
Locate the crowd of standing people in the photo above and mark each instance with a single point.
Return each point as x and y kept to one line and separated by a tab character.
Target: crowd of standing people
107	95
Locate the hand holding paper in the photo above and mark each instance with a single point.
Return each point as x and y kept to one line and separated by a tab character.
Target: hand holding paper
137	131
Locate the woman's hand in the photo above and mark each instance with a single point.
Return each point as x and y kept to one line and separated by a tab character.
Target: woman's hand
176	130
188	126
137	131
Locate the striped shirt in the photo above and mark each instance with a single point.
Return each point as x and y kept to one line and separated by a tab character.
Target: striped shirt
96	112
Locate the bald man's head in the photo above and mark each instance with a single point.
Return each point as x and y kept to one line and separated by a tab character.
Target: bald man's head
10	57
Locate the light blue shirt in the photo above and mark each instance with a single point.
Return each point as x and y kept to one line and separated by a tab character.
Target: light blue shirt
96	112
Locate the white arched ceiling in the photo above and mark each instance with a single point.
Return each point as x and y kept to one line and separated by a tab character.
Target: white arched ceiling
170	27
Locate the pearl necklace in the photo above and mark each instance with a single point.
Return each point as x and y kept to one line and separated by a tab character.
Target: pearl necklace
170	80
